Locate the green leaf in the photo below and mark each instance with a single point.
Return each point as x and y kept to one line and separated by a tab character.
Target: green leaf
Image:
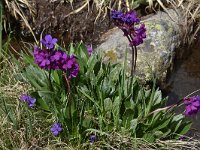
116	110
184	128
158	134
164	124
56	77
157	97
90	98
133	125
40	101
71	49
127	117
107	104
47	95
166	133
43	104
177	118
86	122
149	137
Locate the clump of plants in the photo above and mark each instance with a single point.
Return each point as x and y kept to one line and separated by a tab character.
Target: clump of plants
96	104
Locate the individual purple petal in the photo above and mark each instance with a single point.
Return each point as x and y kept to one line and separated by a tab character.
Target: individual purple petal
56	56
31	101
196	103
23	97
54	41
70	63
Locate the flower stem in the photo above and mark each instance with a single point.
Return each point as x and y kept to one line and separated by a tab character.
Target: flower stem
69	96
133	62
134	56
67	82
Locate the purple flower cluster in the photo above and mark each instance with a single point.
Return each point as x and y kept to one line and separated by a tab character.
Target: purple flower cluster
56	129
55	59
192	105
28	99
126	22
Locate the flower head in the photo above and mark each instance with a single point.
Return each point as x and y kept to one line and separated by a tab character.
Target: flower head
92	138
28	99
192	105
55	59
56	129
49	42
126	22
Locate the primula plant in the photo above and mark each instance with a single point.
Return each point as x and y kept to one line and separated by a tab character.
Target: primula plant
88	100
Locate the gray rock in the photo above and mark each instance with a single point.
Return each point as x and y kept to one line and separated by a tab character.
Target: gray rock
155	55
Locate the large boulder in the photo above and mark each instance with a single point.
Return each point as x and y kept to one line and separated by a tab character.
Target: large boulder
155	55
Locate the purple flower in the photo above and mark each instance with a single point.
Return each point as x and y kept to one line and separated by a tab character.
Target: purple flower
92	138
89	49
126	22
49	42
28	99
192	105
56	129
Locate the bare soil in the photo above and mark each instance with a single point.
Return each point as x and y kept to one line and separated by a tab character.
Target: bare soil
52	18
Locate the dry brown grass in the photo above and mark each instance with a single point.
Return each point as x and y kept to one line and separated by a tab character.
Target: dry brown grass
190	9
16	8
191	15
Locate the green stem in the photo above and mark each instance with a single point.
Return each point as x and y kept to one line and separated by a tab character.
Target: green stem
134	56
133	63
68	85
69	96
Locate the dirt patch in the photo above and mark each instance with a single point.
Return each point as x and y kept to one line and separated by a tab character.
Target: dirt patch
52	18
